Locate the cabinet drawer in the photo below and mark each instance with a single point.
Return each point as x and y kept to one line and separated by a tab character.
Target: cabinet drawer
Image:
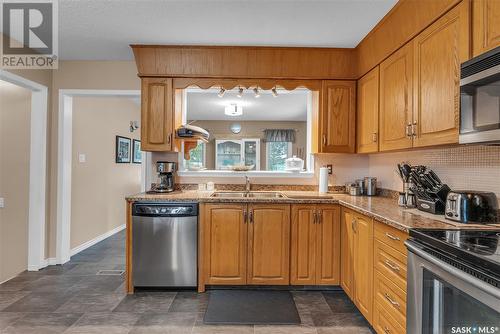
391	298
391	263
391	236
383	323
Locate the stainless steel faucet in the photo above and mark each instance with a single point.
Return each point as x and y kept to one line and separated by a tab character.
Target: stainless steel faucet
247	184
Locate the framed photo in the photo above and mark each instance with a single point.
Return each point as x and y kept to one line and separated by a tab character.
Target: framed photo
136	151
122	152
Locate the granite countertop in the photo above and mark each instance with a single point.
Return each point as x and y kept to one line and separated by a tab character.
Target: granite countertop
382	209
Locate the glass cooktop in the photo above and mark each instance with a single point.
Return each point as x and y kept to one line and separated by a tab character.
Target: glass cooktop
480	248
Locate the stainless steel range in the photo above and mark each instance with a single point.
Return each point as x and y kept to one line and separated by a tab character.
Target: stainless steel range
453	282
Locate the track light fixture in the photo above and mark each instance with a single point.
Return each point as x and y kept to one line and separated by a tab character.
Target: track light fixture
240	92
256	91
274	91
221	92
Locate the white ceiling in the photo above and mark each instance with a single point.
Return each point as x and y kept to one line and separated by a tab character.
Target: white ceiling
287	106
103	30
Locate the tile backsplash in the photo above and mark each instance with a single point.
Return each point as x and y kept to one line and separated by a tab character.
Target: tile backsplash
462	168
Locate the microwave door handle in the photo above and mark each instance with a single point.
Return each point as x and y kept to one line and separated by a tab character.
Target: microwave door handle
489	289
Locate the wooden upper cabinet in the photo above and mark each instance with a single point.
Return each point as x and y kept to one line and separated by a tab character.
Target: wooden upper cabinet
363	265
347	253
438	52
396	100
303	245
368	109
157	114
269	244
225	243
485	25
328	245
338	116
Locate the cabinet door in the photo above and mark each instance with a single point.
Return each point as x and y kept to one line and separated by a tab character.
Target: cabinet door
485	25
225	243
157	115
438	52
347	253
396	100
368	109
328	258
269	244
303	245
363	265
338	116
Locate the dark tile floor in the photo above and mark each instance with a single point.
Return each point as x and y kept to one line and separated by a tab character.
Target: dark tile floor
73	299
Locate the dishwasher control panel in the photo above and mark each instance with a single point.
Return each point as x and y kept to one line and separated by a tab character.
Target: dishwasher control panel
165	209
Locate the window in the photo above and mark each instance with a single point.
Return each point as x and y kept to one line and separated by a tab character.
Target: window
276	154
197	160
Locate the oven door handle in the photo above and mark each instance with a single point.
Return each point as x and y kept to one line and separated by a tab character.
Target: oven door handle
454	271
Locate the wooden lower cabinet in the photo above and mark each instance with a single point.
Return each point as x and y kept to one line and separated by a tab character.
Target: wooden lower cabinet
268	244
315	245
245	244
225	243
347	253
357	261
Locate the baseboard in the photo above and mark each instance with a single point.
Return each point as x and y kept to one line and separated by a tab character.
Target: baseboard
51	261
100	238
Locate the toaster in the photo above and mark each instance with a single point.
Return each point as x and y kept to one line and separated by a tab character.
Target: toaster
471	207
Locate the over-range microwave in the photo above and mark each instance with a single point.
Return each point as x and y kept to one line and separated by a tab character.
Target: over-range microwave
480	99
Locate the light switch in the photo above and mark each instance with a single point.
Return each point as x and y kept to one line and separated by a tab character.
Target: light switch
2	202
82	158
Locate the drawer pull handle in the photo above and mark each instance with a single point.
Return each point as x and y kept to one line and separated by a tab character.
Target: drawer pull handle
387	330
245	216
392	301
392	265
390	236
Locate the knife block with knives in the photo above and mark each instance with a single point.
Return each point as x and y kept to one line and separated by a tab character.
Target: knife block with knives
430	192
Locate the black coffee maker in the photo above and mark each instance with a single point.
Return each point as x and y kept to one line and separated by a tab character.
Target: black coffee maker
165	170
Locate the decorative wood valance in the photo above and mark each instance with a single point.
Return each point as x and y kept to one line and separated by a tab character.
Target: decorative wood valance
244	62
228	84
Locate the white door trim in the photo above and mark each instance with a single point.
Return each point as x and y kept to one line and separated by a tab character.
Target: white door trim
38	165
64	161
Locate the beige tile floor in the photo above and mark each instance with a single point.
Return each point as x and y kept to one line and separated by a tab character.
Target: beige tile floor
73	299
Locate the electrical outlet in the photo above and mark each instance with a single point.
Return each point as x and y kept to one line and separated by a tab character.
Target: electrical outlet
82	158
330	169
2	202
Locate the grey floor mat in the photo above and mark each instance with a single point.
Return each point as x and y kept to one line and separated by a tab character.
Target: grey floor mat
251	307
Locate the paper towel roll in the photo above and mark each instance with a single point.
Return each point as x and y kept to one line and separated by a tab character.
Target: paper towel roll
323	180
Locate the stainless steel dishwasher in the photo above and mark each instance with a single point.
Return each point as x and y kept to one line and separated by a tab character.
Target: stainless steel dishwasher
164	244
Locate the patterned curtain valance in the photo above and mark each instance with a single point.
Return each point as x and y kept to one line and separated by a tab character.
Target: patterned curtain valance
273	135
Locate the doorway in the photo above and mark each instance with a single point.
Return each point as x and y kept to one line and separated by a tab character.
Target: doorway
92	183
23	123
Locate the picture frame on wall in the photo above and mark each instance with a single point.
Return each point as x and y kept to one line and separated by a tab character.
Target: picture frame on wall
123	150
136	151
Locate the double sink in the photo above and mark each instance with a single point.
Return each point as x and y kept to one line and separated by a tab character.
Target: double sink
264	194
249	194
